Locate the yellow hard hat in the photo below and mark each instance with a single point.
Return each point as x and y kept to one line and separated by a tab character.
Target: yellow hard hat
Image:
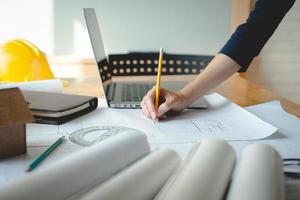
21	60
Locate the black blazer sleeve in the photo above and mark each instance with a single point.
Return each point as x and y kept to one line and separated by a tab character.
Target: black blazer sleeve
250	37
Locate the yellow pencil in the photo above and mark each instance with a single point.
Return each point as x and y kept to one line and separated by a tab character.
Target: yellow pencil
159	69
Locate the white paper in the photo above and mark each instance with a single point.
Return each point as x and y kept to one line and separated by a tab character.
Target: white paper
223	119
205	174
141	181
12	169
80	171
258	176
131	118
181	148
287	139
46	134
41	134
51	85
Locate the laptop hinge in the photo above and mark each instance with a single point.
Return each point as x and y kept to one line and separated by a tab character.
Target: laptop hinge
110	91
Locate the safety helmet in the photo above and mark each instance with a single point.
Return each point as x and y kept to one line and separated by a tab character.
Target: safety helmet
21	60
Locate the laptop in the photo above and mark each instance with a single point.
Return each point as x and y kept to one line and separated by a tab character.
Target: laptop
120	94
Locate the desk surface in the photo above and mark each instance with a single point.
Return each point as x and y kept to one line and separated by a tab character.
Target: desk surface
84	79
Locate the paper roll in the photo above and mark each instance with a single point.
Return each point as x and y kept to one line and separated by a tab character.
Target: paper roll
51	85
259	175
205	175
141	181
80	171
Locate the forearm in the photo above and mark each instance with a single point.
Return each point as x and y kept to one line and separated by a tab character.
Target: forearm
218	70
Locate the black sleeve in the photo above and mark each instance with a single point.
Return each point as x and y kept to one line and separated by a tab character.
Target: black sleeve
250	37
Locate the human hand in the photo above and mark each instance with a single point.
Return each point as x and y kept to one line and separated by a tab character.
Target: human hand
170	103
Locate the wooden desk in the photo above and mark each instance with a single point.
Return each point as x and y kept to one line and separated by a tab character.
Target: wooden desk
85	80
245	93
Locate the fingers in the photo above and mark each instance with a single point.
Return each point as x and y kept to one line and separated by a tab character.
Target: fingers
149	100
164	107
145	109
167	101
147	104
171	104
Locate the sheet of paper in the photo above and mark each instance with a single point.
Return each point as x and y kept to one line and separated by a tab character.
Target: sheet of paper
287	139
51	85
41	134
181	148
13	168
191	126
223	119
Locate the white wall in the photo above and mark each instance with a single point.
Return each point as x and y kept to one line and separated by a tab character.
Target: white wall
57	26
31	19
279	68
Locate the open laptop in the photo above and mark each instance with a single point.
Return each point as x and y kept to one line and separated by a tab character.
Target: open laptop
122	94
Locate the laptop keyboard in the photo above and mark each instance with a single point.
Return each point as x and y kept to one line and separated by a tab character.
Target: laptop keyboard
134	92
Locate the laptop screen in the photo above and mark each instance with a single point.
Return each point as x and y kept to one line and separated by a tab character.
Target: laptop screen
97	43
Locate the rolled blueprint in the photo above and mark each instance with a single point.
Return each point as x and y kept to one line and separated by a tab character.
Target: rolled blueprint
204	175
51	85
80	171
141	181
259	175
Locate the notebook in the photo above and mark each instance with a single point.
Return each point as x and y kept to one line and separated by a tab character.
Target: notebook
58	108
120	94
